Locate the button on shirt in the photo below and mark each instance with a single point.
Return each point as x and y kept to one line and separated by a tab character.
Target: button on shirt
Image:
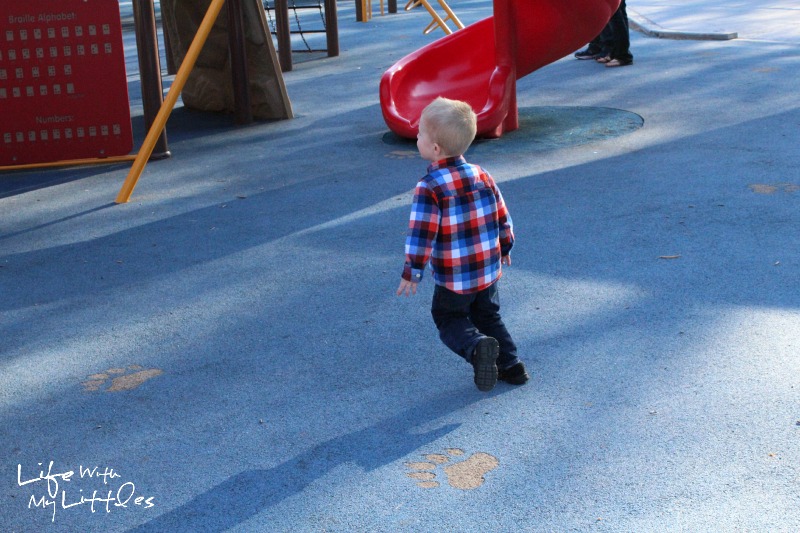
460	223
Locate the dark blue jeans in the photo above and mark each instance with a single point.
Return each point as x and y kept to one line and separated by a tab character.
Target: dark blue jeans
620	44
464	319
615	39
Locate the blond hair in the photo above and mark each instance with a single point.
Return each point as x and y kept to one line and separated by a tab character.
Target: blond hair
451	124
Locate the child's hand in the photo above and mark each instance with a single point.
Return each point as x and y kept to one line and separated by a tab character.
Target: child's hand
408	287
506	260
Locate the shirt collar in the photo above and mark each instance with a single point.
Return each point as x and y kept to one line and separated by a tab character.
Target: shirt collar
447	162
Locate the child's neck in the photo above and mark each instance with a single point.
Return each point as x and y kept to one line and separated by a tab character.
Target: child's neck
442	157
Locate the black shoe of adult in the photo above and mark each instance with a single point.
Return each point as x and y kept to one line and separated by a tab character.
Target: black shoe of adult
516	375
587	54
484	363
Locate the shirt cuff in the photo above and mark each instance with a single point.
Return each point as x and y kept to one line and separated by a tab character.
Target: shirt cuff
412	274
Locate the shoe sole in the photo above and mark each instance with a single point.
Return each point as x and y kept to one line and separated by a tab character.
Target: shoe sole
486	353
516	380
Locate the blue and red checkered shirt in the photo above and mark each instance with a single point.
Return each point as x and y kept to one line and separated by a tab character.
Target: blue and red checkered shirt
460	222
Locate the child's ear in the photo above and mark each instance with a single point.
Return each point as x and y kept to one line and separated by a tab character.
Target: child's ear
437	149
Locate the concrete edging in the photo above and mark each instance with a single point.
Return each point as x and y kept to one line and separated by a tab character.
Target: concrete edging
636	23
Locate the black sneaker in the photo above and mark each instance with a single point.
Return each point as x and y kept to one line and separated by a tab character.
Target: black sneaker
588	54
516	375
484	363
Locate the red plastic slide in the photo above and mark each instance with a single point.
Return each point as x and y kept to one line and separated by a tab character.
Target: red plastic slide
481	63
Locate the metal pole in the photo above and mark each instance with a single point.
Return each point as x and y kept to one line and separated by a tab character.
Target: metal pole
111	160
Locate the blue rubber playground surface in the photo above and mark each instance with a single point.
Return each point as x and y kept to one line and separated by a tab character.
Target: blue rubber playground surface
225	352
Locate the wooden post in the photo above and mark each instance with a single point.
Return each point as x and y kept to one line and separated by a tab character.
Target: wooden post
284	37
150	70
332	28
172	97
238	53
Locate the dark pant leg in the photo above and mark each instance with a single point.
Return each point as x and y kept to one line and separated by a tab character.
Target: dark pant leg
596	45
602	43
621	34
605	41
450	312
485	315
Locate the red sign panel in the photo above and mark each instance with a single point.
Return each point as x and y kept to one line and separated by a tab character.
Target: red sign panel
63	87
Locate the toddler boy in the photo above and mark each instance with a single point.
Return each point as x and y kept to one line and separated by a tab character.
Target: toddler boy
460	223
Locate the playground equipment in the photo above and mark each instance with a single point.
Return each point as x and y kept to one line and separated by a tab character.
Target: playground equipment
438	22
280	26
366	9
221	77
481	63
81	114
279	107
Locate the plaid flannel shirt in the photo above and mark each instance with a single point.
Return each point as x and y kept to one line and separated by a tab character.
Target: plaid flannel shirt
460	223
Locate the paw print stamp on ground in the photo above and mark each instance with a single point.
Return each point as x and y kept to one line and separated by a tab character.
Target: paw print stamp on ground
402	154
763	188
465	475
120	379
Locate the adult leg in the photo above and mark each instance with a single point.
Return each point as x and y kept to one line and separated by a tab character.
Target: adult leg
621	35
605	41
593	50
